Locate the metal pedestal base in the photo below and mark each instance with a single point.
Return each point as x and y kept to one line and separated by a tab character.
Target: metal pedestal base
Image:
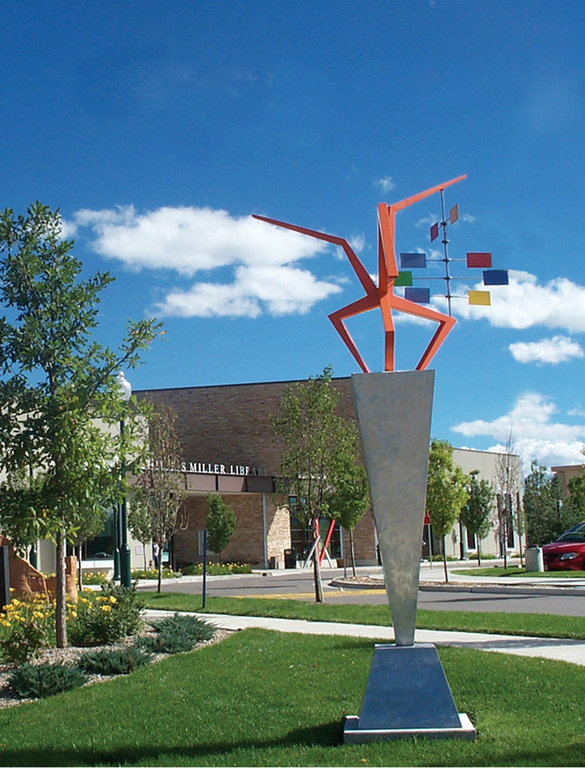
407	695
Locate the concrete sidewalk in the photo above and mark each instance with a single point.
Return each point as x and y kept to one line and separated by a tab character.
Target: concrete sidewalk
572	651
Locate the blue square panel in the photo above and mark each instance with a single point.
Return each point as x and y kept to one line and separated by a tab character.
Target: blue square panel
413	260
420	295
495	277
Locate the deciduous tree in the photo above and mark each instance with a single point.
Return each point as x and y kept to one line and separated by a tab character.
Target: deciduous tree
58	388
475	514
348	495
221	523
505	481
311	436
446	492
542	506
159	498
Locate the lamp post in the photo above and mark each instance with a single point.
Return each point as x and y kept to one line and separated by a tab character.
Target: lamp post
125	389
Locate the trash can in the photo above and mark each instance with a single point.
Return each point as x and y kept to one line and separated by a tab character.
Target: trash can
534	560
290	558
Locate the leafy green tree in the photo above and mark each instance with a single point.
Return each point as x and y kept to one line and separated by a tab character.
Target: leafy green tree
446	492
573	509
311	436
159	498
221	523
542	506
58	389
348	496
475	514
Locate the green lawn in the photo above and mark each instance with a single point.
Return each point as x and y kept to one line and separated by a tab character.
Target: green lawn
266	698
535	624
516	571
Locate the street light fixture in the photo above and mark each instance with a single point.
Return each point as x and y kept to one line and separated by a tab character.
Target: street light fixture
125	389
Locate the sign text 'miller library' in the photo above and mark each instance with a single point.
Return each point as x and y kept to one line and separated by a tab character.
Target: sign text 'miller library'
220	469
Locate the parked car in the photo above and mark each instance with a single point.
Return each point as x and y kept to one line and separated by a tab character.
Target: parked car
567	553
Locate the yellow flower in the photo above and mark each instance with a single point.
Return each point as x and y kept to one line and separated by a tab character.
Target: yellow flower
74	614
113	599
106	608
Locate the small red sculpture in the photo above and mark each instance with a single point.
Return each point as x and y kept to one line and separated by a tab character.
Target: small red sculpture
382	295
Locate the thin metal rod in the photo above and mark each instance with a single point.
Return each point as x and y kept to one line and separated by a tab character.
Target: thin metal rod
446	257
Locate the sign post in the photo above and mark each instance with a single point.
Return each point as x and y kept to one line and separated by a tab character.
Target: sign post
204	566
4	577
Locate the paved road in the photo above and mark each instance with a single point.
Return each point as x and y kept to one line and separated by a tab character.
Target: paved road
299	584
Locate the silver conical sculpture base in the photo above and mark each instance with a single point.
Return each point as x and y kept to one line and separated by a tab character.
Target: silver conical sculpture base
407	692
394	415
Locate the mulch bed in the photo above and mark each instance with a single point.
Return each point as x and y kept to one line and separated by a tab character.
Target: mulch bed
72	653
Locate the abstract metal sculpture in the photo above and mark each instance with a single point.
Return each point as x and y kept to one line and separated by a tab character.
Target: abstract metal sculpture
382	296
407	692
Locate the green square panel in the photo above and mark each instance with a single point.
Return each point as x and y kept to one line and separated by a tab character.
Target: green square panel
404	278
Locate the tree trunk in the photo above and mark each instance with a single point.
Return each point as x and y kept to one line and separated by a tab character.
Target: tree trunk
160	565
79	569
352	550
61	593
317	568
478	552
317	578
445	560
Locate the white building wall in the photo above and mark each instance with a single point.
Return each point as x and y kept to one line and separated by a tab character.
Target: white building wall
486	463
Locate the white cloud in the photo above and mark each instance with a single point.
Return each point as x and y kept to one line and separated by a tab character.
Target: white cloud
386	183
558	349
191	240
283	290
524	303
536	434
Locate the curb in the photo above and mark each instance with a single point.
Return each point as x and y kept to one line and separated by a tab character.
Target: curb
503	589
506	589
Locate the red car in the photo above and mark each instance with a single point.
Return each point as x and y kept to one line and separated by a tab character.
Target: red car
567	553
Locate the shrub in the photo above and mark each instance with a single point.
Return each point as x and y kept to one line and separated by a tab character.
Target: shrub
177	634
26	626
114	661
104	617
95	578
35	681
152	573
216	569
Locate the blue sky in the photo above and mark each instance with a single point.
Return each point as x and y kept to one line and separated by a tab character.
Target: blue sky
159	128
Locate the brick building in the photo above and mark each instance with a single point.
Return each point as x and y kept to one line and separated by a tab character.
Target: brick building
228	447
